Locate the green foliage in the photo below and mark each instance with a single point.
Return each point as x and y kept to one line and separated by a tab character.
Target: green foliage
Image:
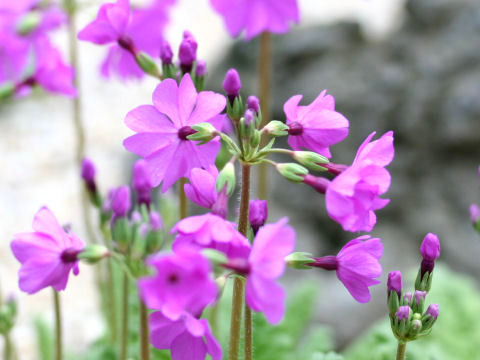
454	336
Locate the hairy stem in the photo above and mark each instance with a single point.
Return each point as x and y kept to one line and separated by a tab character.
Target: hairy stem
401	351
238	285
248	334
182	198
58	326
264	70
144	333
124	339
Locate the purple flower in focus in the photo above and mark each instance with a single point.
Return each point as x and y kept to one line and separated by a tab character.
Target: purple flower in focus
47	254
430	250
232	84
394	282
183	282
162	130
257	16
187	338
433	310
272	244
403	312
213	232
257	214
141	182
315	127
353	196
357	265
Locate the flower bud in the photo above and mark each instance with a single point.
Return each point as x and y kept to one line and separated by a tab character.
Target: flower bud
226	177
292	171
394	282
121	202
204	132
141	183
88	175
166	53
430	250
275	128
419	296
320	184
403	313
433	310
253	103
214	256
407	298
415	327
257	214
147	64
187	52
201	68
310	160
93	253
28	22
475	215
232	84
299	260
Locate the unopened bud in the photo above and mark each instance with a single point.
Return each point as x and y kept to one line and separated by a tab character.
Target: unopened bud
253	103
299	260
147	64
166	53
276	128
205	132
214	256
257	214
394	282
310	159
291	171
232	84
403	313
93	253
226	177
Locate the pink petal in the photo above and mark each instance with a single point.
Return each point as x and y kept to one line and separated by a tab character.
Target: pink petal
290	108
266	296
145	144
165	99
45	222
187	97
188	347
147	118
163	330
209	104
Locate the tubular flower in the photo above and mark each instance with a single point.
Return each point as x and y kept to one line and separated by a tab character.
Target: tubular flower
316	126
353	196
47	254
257	16
163	130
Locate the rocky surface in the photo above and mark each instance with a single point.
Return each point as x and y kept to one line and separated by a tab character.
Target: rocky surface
423	82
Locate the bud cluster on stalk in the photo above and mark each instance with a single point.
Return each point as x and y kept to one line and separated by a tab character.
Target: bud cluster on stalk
409	319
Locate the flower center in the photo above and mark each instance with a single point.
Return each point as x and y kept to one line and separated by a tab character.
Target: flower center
173	279
70	255
295	128
184	132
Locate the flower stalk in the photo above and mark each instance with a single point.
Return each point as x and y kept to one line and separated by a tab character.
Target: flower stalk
401	350
124	339
58	326
144	333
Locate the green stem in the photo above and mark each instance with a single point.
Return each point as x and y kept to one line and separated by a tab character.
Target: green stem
8	347
110	287
182	199
264	70
238	285
58	326
124	339
144	333
248	334
401	351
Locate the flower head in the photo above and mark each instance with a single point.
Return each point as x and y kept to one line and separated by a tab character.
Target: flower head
187	337
182	283
162	130
213	232
353	196
47	254
316	126
257	16
272	244
394	282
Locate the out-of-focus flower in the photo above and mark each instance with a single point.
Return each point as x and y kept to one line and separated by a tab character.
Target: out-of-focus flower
47	254
257	16
141	182
163	130
257	214
353	196
315	127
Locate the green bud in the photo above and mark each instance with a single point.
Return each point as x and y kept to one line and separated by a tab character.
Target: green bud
147	64
415	327
205	132
235	111
299	260
28	23
292	171
393	303
121	234
93	253
226	177
276	128
6	91
310	160
139	246
255	139
154	241
214	256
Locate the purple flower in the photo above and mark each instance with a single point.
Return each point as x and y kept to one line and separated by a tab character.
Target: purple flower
257	214
394	282
166	53
474	213
213	232
232	84
430	250
433	311
315	127
272	244
47	254
141	182
156	221
408	297
162	130
121	202
187	53
187	338
201	68
403	313
253	103
182	283
357	265
257	16
353	196
88	174
419	295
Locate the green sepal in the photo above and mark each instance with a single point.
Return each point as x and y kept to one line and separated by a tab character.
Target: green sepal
226	177
28	23
292	171
393	303
299	260
147	64
311	160
276	128
205	132
121	234
93	253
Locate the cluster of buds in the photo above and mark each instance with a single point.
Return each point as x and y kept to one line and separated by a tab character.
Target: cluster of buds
408	318
136	229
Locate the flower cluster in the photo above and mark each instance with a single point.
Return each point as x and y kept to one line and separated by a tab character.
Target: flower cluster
25	28
408	319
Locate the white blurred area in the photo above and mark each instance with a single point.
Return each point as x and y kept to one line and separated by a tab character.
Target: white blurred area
37	145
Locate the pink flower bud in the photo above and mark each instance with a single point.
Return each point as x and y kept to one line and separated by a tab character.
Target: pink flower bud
394	282
403	313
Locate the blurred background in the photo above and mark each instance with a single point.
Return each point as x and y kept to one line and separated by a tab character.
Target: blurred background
408	66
